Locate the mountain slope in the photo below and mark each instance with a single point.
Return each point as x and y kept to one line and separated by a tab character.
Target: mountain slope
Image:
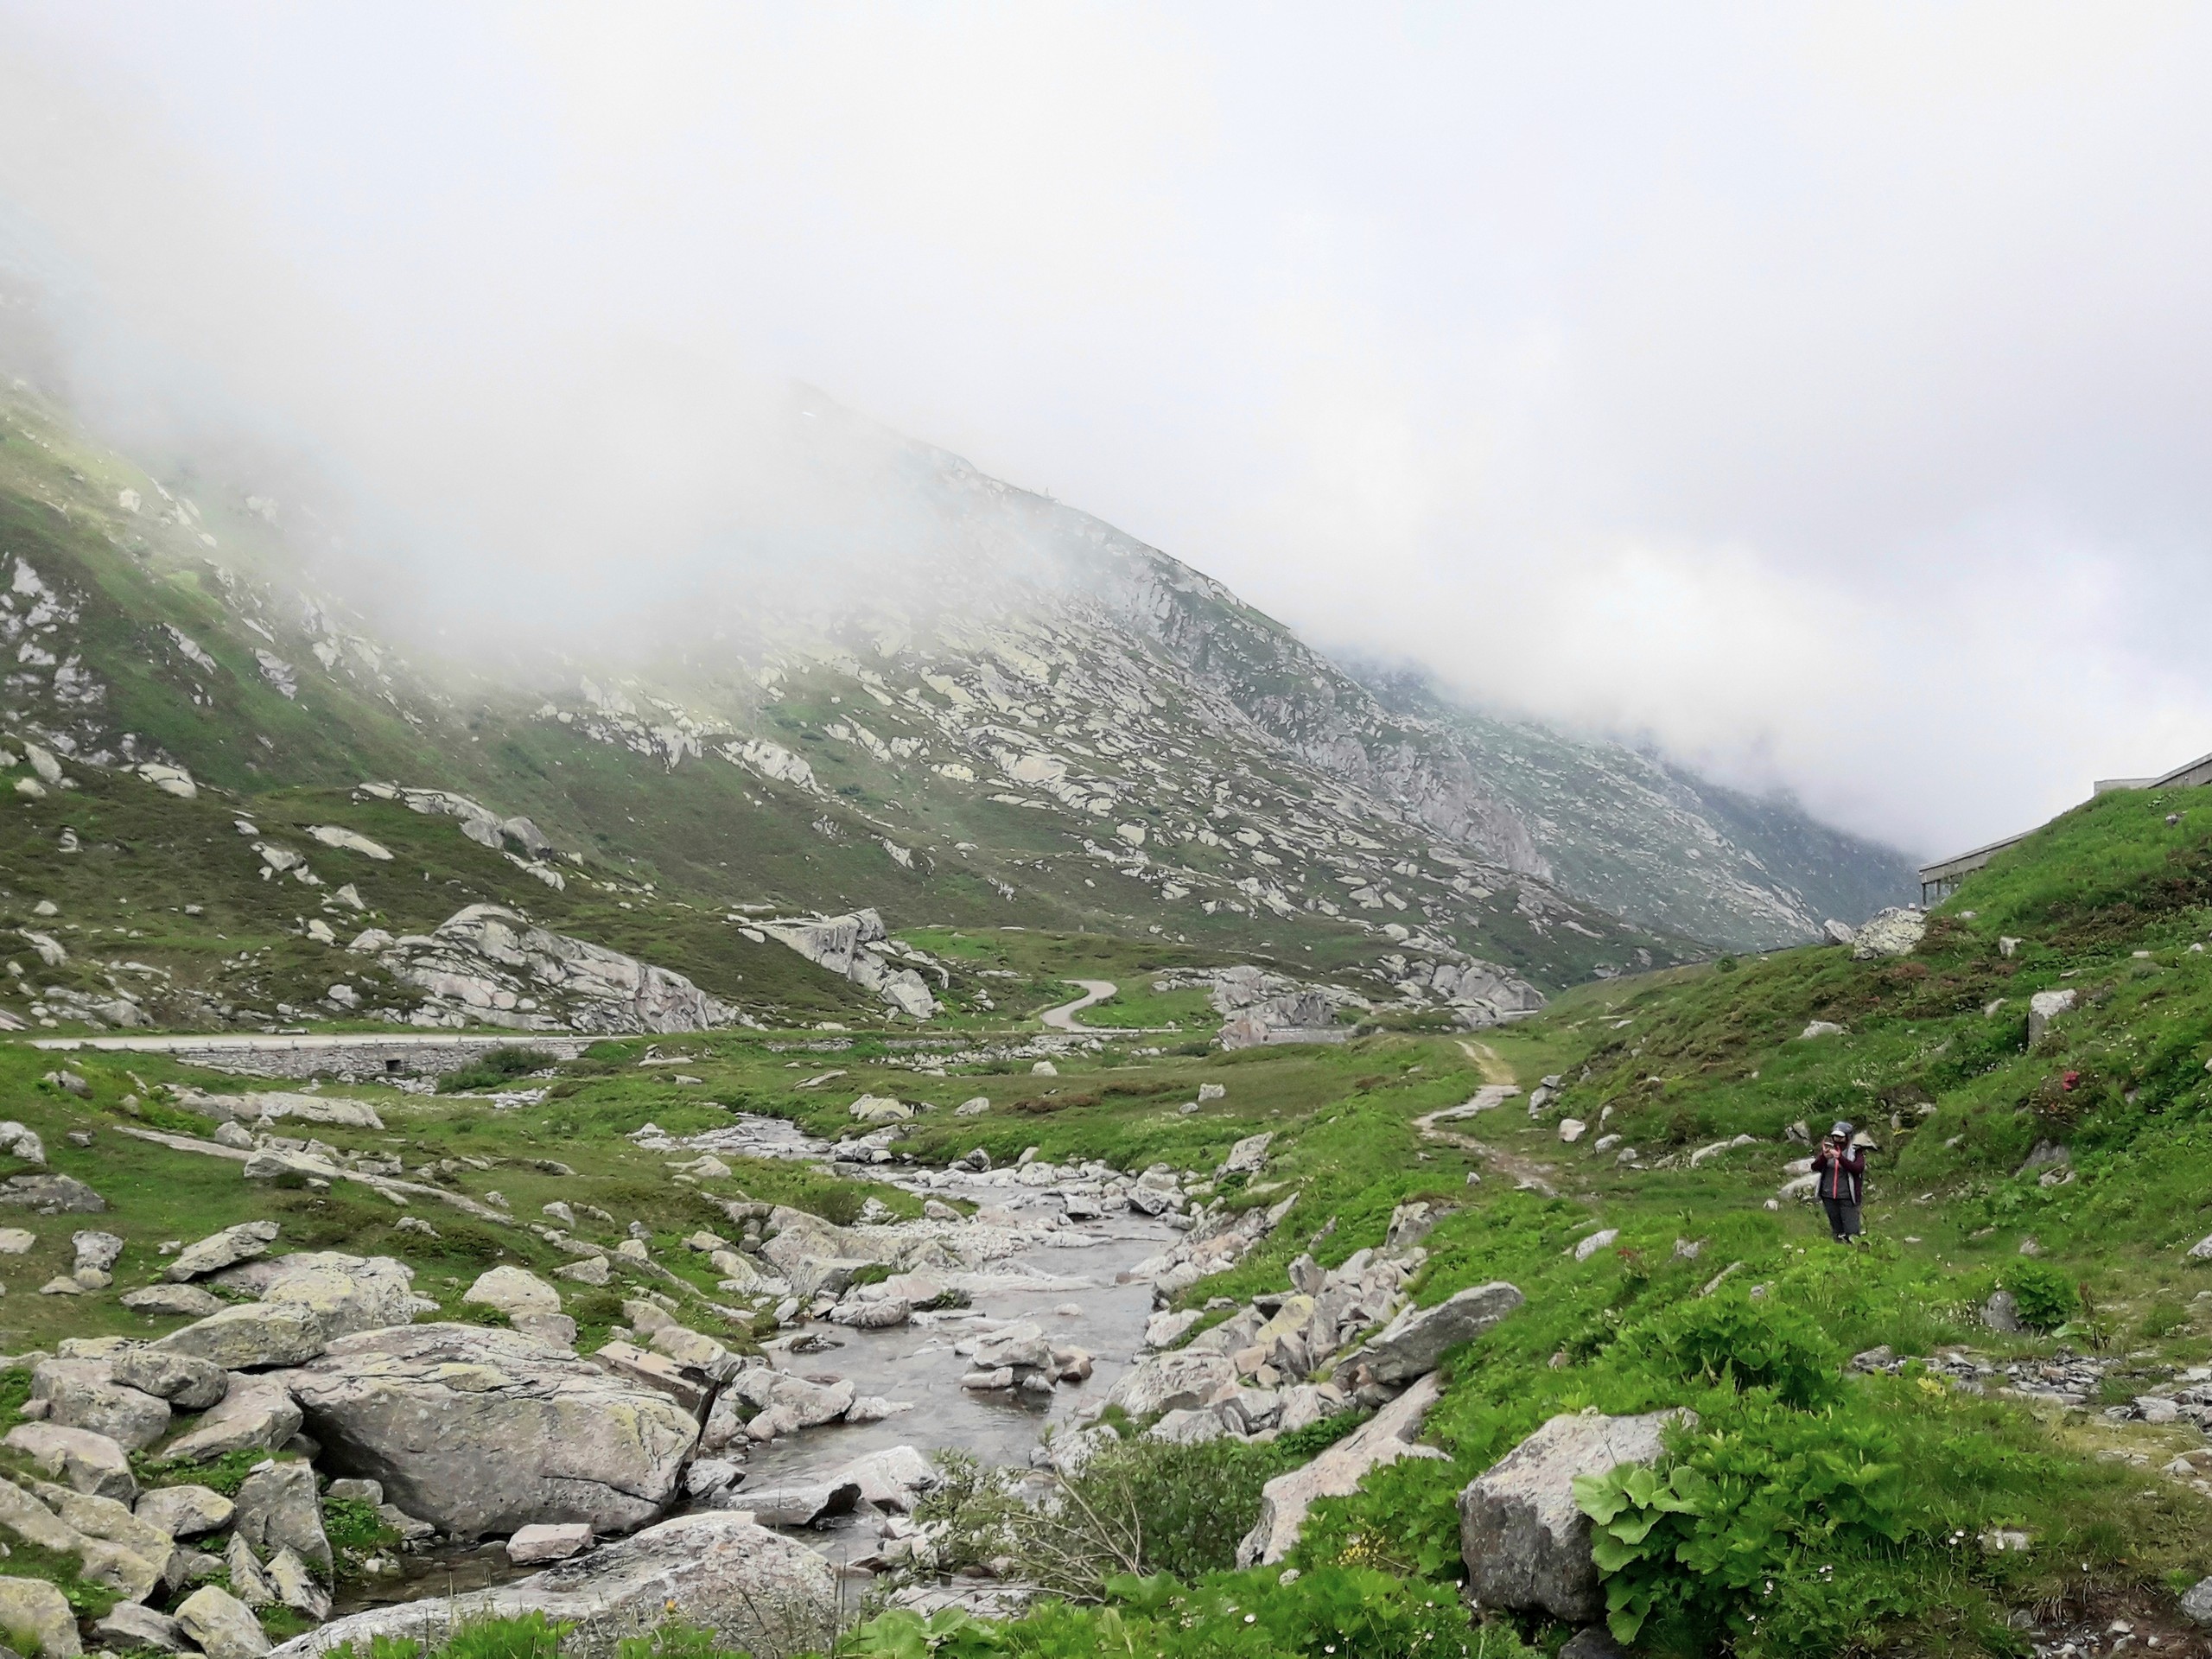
968	705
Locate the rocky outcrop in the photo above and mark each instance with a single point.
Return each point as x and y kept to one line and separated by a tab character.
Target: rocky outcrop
1412	1343
1384	1438
846	945
84	1394
253	1336
756	1590
1525	1540
255	1414
478	1430
490	965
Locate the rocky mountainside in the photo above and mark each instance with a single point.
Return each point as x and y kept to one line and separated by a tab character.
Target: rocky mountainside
980	708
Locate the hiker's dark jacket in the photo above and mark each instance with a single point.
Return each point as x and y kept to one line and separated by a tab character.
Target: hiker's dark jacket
1843	1172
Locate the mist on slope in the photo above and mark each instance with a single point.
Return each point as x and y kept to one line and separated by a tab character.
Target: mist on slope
1816	397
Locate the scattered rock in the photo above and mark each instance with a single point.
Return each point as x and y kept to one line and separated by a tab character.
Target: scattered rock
1384	1438
1893	932
1413	1341
222	1626
83	1393
243	1242
187	1383
278	1508
2045	1006
88	1462
295	1586
1248	1156
532	1545
252	1336
36	1618
131	1628
51	1195
1162	1382
256	1414
756	1590
185	1511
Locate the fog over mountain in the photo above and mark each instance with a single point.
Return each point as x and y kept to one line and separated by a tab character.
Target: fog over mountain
1787	395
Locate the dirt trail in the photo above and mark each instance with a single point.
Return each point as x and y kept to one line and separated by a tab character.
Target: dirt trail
1094	990
1498	1087
1488	1061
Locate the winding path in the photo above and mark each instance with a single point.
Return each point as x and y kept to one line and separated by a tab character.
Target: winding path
1094	990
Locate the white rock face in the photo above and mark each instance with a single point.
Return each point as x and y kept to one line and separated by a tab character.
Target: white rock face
335	835
2045	1006
1894	932
841	944
484	962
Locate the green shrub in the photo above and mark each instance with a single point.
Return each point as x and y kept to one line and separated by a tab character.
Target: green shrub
1757	1532
491	1068
1341	1610
1733	1340
2046	1296
1138	1508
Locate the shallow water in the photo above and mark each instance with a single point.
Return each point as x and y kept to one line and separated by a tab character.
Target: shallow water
916	1363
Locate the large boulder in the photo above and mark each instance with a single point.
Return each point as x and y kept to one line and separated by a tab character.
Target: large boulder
1384	1438
478	1430
187	1381
129	1628
346	1294
256	1413
252	1336
116	1567
1523	1537
756	1590
185	1511
84	1394
51	1195
86	1461
1894	932
114	1522
813	1255
1412	1343
220	1250
1175	1381
2045	1006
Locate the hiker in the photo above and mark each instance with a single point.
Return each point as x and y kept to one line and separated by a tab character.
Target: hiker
1842	1169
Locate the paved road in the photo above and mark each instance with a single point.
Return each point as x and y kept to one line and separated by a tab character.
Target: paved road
1094	990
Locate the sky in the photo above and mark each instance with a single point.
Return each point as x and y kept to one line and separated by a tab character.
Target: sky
1821	395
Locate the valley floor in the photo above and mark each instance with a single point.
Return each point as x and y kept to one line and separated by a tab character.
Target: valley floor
1060	1342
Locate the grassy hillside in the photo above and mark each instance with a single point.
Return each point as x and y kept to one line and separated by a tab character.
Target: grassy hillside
1818	1508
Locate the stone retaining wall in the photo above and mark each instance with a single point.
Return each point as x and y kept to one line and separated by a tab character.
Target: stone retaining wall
352	1058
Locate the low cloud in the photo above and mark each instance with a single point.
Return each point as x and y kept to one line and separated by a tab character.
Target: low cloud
1818	395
